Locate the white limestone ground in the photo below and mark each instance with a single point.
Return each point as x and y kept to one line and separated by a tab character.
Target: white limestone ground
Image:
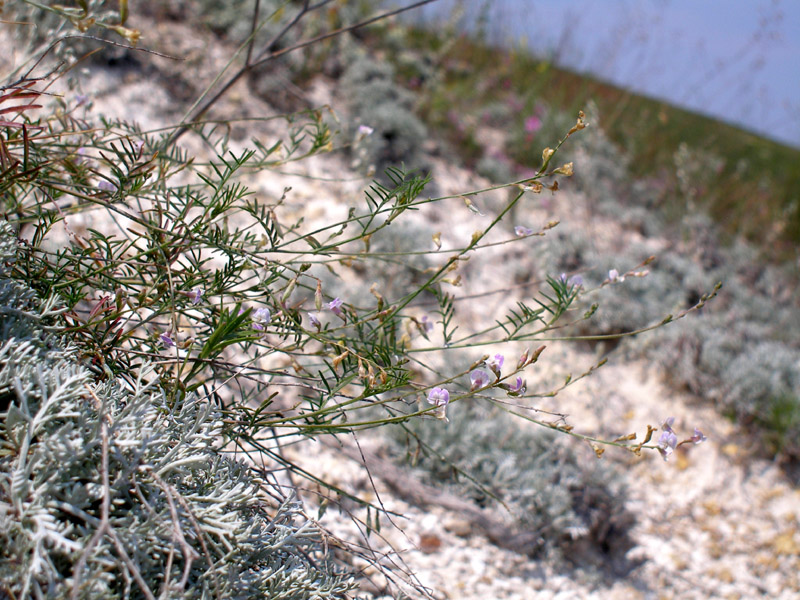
714	521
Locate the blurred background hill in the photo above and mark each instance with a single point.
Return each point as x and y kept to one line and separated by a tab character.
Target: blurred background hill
731	61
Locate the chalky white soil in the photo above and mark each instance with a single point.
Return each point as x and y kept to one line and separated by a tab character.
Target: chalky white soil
713	522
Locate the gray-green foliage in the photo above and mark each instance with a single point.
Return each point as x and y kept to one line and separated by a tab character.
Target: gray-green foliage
743	354
377	102
494	168
603	175
175	516
232	19
576	505
674	283
741	351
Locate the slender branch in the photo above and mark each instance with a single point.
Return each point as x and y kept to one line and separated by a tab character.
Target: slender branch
267	55
286	28
252	43
342	30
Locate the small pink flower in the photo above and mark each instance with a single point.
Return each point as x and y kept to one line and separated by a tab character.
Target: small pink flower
698	437
261	317
166	340
335	306
668	440
615	277
314	320
517	389
438	397
495	363
427	324
521	231
479	379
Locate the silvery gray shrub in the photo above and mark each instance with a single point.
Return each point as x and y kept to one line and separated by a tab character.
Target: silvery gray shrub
108	491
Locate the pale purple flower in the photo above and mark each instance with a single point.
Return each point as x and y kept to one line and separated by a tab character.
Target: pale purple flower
614	276
517	389
314	320
479	379
81	99
166	340
495	363
335	306
106	186
521	231
438	397
196	295
365	130
698	437
668	441
138	145
261	316
427	324
575	280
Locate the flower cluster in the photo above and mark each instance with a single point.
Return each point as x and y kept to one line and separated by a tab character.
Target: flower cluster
480	379
668	441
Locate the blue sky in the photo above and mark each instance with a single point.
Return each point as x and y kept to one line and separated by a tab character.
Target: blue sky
737	60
